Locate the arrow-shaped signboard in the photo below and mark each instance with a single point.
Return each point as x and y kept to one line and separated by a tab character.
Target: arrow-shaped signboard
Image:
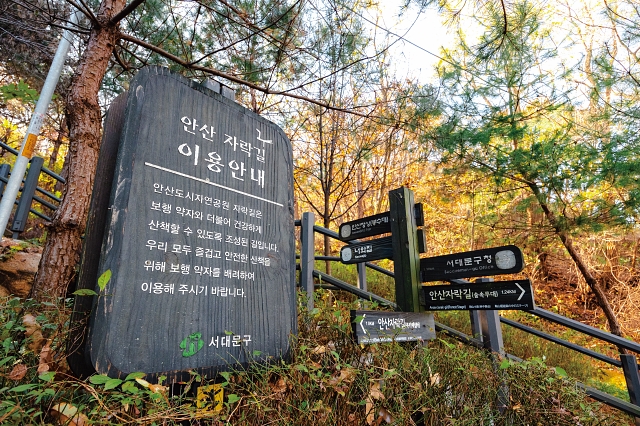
379	326
374	225
514	295
477	263
367	251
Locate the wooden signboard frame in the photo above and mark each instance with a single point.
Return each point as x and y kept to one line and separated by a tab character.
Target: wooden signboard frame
197	266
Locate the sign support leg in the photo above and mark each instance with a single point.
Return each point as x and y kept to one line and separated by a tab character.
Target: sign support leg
406	256
307	256
474	317
491	333
362	276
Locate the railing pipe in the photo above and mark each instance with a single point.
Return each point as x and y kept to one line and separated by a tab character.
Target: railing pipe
566	344
586	329
628	362
352	289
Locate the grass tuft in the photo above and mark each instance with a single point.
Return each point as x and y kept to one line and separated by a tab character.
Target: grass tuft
328	380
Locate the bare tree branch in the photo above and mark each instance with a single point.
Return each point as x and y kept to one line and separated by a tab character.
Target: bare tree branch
235	79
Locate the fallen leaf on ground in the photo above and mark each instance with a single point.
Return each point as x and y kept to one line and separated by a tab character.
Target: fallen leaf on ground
18	372
319	350
346	375
30	324
158	388
67	414
46	358
279	387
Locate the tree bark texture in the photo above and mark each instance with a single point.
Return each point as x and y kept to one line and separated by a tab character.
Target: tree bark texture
61	253
592	282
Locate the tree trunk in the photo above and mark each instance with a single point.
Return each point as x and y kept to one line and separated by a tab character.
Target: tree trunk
61	253
601	297
57	144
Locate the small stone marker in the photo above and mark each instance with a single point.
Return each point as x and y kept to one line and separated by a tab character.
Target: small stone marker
378	326
498	295
477	263
197	266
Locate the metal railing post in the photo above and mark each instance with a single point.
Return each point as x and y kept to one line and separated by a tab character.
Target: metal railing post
631	376
28	191
4	173
476	330
307	256
362	276
491	333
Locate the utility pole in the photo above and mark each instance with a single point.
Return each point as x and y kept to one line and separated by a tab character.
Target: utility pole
28	144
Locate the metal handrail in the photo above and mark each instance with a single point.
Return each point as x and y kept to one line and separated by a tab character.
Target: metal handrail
29	188
44	169
539	312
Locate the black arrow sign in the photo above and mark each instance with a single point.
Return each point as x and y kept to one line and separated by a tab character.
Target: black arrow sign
374	225
515	295
477	263
378	326
380	248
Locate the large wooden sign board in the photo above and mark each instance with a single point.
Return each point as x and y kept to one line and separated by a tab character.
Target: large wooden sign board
197	265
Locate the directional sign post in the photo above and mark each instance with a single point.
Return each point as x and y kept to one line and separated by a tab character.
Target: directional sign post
380	248
477	263
507	295
374	225
378	326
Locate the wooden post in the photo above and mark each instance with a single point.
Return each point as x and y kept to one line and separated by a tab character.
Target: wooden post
78	357
307	255
405	249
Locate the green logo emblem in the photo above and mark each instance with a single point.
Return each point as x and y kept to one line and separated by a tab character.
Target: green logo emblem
191	345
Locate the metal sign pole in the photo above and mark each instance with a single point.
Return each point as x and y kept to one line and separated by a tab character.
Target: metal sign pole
29	142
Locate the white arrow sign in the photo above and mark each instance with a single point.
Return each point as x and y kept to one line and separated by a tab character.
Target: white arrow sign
523	292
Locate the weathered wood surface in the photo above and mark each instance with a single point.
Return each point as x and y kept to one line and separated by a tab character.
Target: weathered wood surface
78	359
200	243
478	263
406	255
